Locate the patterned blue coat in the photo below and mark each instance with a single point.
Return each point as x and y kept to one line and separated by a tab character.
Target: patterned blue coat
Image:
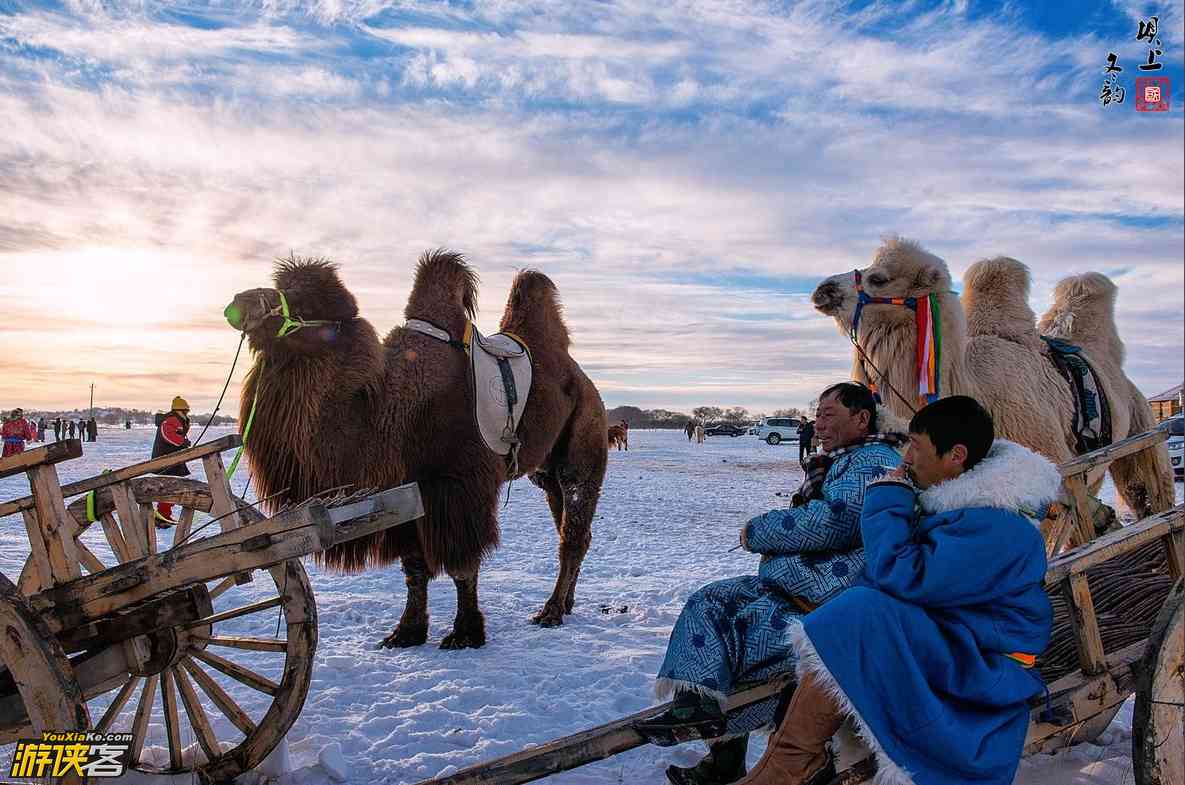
734	631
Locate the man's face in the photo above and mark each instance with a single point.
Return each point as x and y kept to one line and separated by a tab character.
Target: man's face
837	427
926	467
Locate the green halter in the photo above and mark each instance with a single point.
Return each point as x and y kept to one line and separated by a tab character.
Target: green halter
291	325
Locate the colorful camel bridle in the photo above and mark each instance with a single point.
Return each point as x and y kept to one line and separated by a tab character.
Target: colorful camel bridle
928	355
290	325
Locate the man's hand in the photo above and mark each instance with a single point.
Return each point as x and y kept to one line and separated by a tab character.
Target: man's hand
900	473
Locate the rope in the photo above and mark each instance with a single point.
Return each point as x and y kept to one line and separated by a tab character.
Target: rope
242	337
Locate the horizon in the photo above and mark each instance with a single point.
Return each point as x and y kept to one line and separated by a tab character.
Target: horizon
686	175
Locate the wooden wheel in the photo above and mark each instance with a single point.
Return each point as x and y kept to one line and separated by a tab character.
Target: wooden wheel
1158	725
215	694
36	683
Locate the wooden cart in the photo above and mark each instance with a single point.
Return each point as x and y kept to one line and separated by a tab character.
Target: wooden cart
1119	629
108	608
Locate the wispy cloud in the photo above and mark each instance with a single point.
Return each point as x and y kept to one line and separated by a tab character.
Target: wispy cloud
682	171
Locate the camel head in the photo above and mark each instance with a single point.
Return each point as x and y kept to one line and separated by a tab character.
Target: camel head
900	268
315	300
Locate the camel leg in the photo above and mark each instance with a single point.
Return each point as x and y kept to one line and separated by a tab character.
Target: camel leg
469	627
412	629
580	486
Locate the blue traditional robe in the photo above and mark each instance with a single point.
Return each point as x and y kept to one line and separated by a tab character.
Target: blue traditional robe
924	651
734	631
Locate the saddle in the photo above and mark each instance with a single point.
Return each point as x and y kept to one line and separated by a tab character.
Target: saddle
1092	410
499	379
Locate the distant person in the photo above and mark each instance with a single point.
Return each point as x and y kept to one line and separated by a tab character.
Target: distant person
41	425
82	428
57	429
127	425
806	433
16	431
689	429
172	430
92	430
699	433
73	429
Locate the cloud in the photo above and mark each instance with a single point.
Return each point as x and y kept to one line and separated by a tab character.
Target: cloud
666	165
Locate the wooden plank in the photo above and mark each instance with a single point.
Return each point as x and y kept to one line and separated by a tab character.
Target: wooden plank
57	529
114	537
1085	624
228	442
1174	552
376	513
184	525
88	559
237	672
1105	455
38	555
1115	544
1082	515
148	518
30	581
224	505
163	611
582	748
48	455
224	702
129	520
289	535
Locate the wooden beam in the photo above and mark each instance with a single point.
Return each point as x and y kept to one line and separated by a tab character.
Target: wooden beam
162	611
289	535
57	529
581	748
37	568
224	506
228	442
1116	543
381	511
1105	455
129	520
50	454
1085	624
1174	553
1081	504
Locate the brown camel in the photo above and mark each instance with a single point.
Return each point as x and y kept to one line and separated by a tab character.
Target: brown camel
993	352
337	407
619	436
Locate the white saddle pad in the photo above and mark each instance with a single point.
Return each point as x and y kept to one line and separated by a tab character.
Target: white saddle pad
501	381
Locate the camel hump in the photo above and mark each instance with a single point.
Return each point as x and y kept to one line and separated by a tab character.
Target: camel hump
445	289
996	300
1083	313
534	311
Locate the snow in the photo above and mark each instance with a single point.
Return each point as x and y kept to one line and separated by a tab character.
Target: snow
669	513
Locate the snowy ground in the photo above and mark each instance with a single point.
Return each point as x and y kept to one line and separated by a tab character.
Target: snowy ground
669	513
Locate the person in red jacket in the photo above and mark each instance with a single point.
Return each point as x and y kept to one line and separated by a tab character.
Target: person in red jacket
171	432
16	431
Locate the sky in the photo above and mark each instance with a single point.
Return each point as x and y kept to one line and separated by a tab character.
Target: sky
685	172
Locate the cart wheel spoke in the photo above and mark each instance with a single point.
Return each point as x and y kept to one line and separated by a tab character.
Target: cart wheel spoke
197	715
143	714
172	718
117	703
223	586
234	613
237	672
224	702
245	643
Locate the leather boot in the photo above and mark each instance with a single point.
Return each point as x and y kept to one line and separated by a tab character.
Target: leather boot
797	752
724	764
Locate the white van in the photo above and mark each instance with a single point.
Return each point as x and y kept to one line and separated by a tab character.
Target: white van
774	430
1175	427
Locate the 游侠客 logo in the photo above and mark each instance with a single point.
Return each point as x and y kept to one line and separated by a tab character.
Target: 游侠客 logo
79	753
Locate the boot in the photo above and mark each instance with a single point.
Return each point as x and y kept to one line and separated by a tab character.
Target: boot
797	752
690	717
724	764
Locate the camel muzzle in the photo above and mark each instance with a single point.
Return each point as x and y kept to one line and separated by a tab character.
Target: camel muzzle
827	299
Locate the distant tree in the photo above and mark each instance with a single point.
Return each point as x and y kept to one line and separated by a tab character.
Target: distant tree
707	413
793	411
736	415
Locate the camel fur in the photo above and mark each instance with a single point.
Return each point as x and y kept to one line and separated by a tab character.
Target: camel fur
337	408
992	351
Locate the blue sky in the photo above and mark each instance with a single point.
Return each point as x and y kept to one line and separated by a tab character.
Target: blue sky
685	172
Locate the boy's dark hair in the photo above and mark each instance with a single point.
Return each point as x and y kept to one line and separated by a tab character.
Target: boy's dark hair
958	419
856	397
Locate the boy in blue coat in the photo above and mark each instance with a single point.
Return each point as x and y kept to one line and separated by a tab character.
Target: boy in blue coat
932	652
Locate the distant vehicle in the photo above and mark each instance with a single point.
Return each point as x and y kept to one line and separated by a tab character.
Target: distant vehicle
724	429
775	430
1175	427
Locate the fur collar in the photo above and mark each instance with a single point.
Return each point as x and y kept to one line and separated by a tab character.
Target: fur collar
1009	477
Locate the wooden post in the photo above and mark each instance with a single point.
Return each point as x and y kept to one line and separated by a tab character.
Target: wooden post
1174	551
1081	506
133	531
54	524
223	503
1085	624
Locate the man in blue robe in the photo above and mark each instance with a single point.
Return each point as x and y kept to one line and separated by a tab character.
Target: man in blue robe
932	654
733	631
